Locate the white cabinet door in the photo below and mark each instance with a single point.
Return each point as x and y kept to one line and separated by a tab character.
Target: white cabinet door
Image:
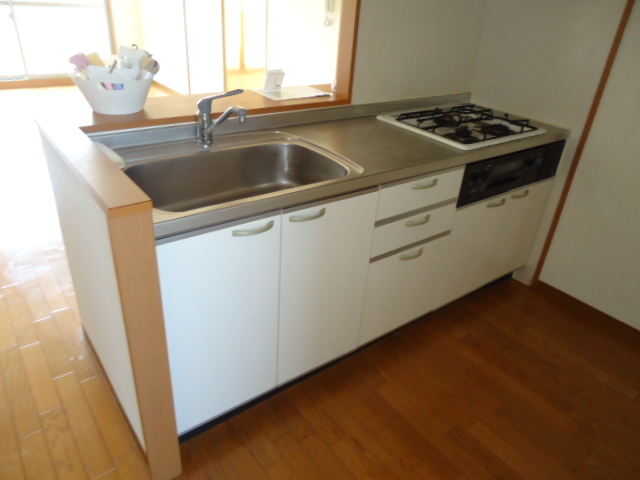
325	256
220	300
403	287
494	237
521	223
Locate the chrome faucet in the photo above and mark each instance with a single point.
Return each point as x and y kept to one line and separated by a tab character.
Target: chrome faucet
204	128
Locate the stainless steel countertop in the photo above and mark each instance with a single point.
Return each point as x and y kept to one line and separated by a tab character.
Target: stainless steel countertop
385	152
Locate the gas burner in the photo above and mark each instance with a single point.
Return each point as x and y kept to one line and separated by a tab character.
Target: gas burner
466	126
448	120
494	129
463	135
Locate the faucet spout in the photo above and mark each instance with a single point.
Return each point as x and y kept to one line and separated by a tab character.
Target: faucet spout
205	127
239	111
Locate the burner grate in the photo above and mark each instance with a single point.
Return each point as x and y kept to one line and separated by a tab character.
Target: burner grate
481	123
466	126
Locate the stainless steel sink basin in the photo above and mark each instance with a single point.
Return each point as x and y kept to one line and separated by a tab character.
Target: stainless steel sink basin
181	177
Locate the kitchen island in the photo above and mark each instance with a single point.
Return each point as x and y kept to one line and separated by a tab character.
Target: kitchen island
110	230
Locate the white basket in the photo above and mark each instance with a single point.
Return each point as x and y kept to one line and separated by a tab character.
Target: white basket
130	99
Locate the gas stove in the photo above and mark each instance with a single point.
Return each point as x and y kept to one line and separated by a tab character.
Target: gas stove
466	126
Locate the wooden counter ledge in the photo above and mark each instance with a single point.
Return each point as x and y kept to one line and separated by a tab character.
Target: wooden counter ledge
182	109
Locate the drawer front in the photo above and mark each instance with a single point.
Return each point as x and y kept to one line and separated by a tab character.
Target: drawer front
419	192
403	287
412	229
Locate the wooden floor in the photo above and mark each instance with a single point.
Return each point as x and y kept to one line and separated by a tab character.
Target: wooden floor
508	383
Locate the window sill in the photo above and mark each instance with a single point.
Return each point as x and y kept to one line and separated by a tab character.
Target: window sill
182	109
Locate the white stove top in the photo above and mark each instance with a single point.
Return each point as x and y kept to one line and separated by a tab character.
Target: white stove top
464	126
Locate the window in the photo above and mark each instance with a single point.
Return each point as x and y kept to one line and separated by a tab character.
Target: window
206	46
38	37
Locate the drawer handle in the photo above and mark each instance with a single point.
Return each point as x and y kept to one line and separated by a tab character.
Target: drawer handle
412	256
248	233
417	186
300	218
496	205
524	194
417	223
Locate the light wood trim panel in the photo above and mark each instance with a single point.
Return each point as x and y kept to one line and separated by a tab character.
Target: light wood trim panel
116	194
183	108
585	135
133	244
36	83
347	41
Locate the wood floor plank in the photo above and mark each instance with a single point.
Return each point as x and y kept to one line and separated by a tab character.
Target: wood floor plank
192	464
255	438
40	377
326	460
7	337
52	293
36	459
108	416
110	475
388	438
55	350
76	344
19	394
9	451
62	446
282	471
417	416
60	268
242	462
21	320
411	439
518	462
132	467
301	463
372	441
15	473
33	293
283	406
216	456
91	445
316	417
558	444
271	424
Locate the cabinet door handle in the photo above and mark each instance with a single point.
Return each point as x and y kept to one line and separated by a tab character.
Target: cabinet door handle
417	186
524	194
417	223
412	256
300	218
257	231
495	205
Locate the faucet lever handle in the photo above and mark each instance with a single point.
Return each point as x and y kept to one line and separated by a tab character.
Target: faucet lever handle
204	104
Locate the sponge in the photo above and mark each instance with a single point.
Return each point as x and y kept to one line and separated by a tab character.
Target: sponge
95	59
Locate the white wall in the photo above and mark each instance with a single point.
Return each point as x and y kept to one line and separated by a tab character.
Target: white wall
543	60
595	251
416	48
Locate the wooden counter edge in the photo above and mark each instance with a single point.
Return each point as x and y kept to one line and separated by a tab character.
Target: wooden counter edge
130	226
134	255
116	194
